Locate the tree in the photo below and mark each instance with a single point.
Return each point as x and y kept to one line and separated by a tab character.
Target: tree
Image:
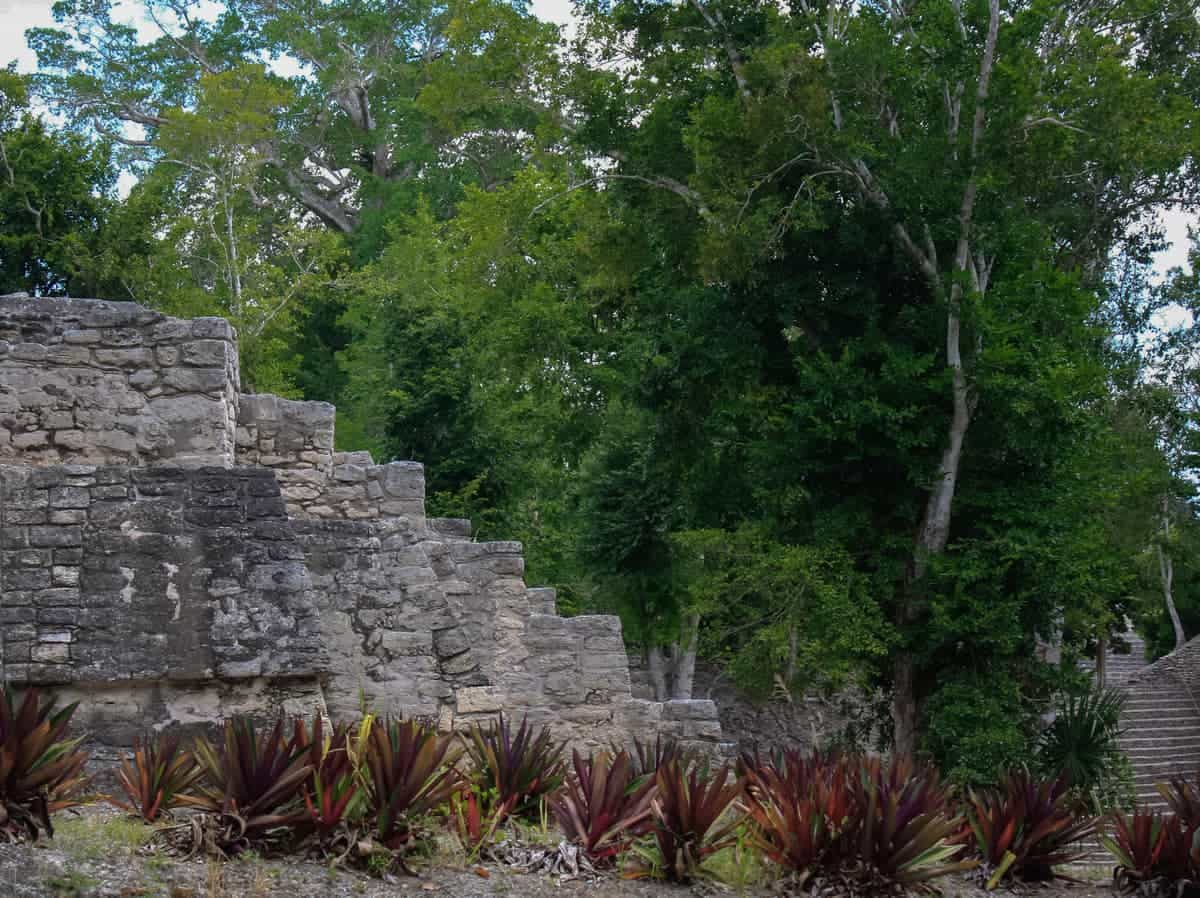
56	191
389	95
993	142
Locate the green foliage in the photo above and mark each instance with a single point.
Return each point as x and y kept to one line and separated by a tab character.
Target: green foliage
56	198
1080	744
978	727
40	771
157	777
516	770
777	614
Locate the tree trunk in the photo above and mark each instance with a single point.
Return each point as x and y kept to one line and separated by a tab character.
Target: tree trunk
656	665
934	532
1166	573
1101	660
685	659
789	672
904	705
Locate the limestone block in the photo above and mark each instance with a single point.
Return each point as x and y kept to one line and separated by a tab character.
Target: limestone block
478	700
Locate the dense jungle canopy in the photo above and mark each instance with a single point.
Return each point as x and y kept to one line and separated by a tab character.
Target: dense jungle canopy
818	339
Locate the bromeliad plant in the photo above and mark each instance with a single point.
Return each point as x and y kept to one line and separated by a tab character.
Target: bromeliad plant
159	776
1155	853
852	817
40	771
797	806
514	770
694	816
1026	828
251	787
333	793
604	805
411	772
906	828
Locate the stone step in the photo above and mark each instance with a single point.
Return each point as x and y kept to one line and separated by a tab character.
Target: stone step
1148	724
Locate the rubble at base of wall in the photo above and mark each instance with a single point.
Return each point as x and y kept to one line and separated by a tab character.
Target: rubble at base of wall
173	551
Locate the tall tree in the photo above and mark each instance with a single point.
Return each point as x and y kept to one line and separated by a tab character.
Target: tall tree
388	95
56	191
992	140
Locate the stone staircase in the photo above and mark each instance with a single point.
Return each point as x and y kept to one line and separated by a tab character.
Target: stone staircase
1161	720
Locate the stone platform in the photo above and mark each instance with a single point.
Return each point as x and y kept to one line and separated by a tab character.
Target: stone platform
173	551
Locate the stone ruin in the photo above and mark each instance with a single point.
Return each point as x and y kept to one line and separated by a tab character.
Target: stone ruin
174	551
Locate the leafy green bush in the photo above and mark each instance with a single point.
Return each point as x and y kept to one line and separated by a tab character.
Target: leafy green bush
977	728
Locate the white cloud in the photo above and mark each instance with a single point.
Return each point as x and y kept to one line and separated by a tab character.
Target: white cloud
15	17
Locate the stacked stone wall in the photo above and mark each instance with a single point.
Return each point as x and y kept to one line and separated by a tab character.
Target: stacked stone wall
219	556
91	382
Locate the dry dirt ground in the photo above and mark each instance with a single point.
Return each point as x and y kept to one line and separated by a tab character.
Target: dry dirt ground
99	855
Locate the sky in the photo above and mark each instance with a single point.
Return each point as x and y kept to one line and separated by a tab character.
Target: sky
18	15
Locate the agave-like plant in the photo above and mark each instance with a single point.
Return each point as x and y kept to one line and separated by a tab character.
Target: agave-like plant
40	771
906	828
1182	795
1151	847
688	809
604	805
852	816
1026	828
1080	742
412	772
799	806
333	793
647	757
159	776
250	786
516	769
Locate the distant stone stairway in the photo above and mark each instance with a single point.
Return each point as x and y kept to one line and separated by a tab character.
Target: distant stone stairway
1161	721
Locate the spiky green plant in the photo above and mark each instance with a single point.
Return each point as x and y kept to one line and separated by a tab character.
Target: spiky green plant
604	805
906	825
517	769
1183	797
159	775
1081	742
797	805
853	817
40	771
